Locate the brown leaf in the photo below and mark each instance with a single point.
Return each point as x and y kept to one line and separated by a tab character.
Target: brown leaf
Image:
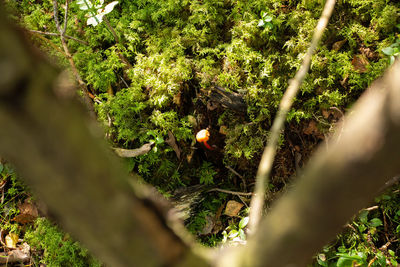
28	213
359	63
311	128
366	51
326	113
208	226
172	142
336	46
177	99
233	208
223	130
211	105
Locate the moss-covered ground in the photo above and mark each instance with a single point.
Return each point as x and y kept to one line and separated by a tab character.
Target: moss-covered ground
157	81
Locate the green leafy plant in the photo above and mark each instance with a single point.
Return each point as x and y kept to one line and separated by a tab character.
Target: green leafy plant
96	11
235	233
266	21
206	173
393	51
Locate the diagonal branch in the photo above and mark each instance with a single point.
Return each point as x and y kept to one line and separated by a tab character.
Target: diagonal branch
335	184
264	169
66	160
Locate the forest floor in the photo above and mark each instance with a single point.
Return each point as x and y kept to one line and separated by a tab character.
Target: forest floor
158	72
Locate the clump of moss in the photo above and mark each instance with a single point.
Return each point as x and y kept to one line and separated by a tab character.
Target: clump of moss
178	50
55	248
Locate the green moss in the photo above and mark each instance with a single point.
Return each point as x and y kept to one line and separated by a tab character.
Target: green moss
58	248
179	49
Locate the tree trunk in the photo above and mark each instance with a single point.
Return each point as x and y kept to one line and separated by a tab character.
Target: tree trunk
62	155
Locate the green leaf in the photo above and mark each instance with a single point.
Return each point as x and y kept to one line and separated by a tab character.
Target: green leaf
243	222
344	262
1	168
392	59
269	25
261	23
242	234
375	222
159	140
388	51
391	252
268	18
232	234
362	228
363	216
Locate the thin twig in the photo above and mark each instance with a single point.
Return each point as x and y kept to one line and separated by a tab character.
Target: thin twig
86	99
244	202
230	192
240	176
65	18
56	20
111	29
121	56
57	34
372	208
51	44
264	169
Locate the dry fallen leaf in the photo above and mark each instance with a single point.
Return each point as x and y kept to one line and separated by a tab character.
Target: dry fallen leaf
233	208
312	129
223	130
326	113
11	240
177	99
172	142
336	46
208	226
359	63
28	213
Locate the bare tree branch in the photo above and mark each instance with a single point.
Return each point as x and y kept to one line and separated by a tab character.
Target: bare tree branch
230	192
65	18
264	169
57	34
66	161
131	153
238	175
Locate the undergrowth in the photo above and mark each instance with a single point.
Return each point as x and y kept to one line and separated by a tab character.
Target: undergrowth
179	50
48	244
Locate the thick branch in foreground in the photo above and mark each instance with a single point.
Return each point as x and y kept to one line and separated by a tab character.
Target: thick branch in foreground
65	160
265	166
336	184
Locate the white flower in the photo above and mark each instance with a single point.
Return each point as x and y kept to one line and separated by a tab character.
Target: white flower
96	12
